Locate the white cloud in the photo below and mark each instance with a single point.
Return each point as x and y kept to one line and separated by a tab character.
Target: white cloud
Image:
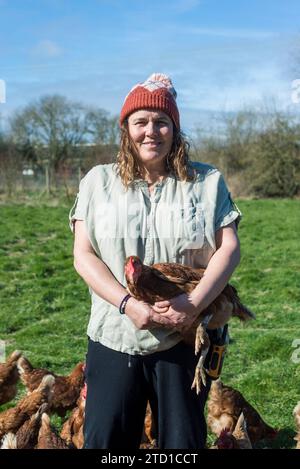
47	48
231	97
212	76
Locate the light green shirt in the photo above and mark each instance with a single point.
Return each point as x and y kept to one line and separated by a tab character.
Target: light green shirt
177	223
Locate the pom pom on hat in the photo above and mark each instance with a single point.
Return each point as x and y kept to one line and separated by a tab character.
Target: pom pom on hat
157	92
159	80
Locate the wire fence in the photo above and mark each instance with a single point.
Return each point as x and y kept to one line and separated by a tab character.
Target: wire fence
18	176
42	181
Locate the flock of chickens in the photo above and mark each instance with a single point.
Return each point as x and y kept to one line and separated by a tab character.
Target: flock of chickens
27	425
236	424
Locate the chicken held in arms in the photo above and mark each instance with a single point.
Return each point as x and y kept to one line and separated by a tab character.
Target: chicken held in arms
164	281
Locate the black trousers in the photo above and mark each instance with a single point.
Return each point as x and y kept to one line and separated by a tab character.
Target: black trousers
118	387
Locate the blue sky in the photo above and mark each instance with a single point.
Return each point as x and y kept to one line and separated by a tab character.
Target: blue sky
221	55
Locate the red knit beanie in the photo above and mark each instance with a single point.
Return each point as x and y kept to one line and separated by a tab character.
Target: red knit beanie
157	92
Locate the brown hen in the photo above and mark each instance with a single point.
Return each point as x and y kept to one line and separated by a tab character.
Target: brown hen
66	389
296	413
226	404
164	281
12	419
48	437
9	377
238	439
27	435
72	430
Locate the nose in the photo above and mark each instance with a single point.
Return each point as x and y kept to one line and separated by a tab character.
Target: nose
151	129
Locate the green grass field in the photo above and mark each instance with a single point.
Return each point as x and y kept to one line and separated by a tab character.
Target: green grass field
45	305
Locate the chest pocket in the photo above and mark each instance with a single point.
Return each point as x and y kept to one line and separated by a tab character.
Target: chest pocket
189	225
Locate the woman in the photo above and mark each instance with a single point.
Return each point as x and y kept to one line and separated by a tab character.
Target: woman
156	204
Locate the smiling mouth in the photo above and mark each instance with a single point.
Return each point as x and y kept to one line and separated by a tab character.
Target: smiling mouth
151	144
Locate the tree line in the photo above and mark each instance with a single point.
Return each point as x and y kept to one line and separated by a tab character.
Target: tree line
58	139
258	153
55	137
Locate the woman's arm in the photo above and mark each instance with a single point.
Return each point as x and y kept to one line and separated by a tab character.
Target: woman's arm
98	276
220	267
184	309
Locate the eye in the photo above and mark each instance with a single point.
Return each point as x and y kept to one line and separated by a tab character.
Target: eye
162	123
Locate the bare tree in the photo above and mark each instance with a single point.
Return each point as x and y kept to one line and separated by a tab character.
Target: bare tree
51	123
257	151
48	132
10	167
102	128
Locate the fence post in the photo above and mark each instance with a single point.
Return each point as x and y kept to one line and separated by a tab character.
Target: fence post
47	176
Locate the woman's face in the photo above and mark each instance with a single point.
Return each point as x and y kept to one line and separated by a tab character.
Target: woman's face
151	132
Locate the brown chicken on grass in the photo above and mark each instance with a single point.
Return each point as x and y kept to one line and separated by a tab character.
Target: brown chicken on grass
27	435
226	404
296	413
66	389
238	439
12	419
165	281
72	430
48	437
9	377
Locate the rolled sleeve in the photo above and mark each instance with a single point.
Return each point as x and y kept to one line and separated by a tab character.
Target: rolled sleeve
226	210
80	207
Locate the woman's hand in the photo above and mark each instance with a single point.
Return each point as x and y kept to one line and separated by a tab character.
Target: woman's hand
144	316
181	311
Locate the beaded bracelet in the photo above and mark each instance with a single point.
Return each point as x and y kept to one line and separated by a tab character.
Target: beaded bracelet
123	304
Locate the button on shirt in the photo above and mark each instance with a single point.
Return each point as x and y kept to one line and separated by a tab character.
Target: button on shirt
176	223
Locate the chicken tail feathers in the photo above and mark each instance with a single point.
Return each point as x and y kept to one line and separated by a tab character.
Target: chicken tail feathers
9	441
24	365
14	356
244	313
216	386
239	310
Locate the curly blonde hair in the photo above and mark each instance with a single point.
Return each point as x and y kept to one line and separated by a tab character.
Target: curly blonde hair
177	161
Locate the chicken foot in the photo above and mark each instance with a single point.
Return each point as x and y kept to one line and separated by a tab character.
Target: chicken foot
202	344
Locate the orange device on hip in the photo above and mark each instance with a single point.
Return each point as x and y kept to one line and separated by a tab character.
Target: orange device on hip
217	353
